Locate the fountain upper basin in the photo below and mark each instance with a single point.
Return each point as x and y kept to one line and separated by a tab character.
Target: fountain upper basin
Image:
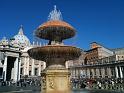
52	29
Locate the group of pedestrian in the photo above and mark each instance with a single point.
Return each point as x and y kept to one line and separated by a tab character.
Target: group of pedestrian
98	83
21	82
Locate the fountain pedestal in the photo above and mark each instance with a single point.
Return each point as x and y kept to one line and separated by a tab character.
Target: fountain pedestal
55	81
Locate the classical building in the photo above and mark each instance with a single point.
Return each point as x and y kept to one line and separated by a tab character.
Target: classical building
15	62
99	62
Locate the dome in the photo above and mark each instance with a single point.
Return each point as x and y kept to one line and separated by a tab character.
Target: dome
20	40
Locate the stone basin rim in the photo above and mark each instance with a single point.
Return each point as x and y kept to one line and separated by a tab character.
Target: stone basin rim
55	51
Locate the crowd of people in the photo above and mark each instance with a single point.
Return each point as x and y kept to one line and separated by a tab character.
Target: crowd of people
99	83
76	83
21	83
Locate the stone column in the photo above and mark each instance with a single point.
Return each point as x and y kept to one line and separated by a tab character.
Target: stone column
66	64
1	72
0	63
93	73
32	68
44	65
109	72
5	68
121	74
97	72
12	73
81	72
39	70
76	72
84	73
103	72
24	65
94	70
100	72
88	73
16	69
19	67
27	66
123	71
116	71
72	72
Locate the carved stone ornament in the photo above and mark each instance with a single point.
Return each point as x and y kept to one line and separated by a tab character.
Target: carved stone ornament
51	83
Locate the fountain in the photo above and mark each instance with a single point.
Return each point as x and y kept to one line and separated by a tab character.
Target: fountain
55	78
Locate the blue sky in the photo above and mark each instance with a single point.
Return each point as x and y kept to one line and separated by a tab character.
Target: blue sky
99	21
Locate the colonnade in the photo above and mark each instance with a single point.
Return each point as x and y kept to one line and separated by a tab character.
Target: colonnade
98	72
31	67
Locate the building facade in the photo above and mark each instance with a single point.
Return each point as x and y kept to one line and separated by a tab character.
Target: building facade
15	62
100	62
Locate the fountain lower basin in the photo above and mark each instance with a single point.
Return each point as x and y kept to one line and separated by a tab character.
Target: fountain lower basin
54	51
